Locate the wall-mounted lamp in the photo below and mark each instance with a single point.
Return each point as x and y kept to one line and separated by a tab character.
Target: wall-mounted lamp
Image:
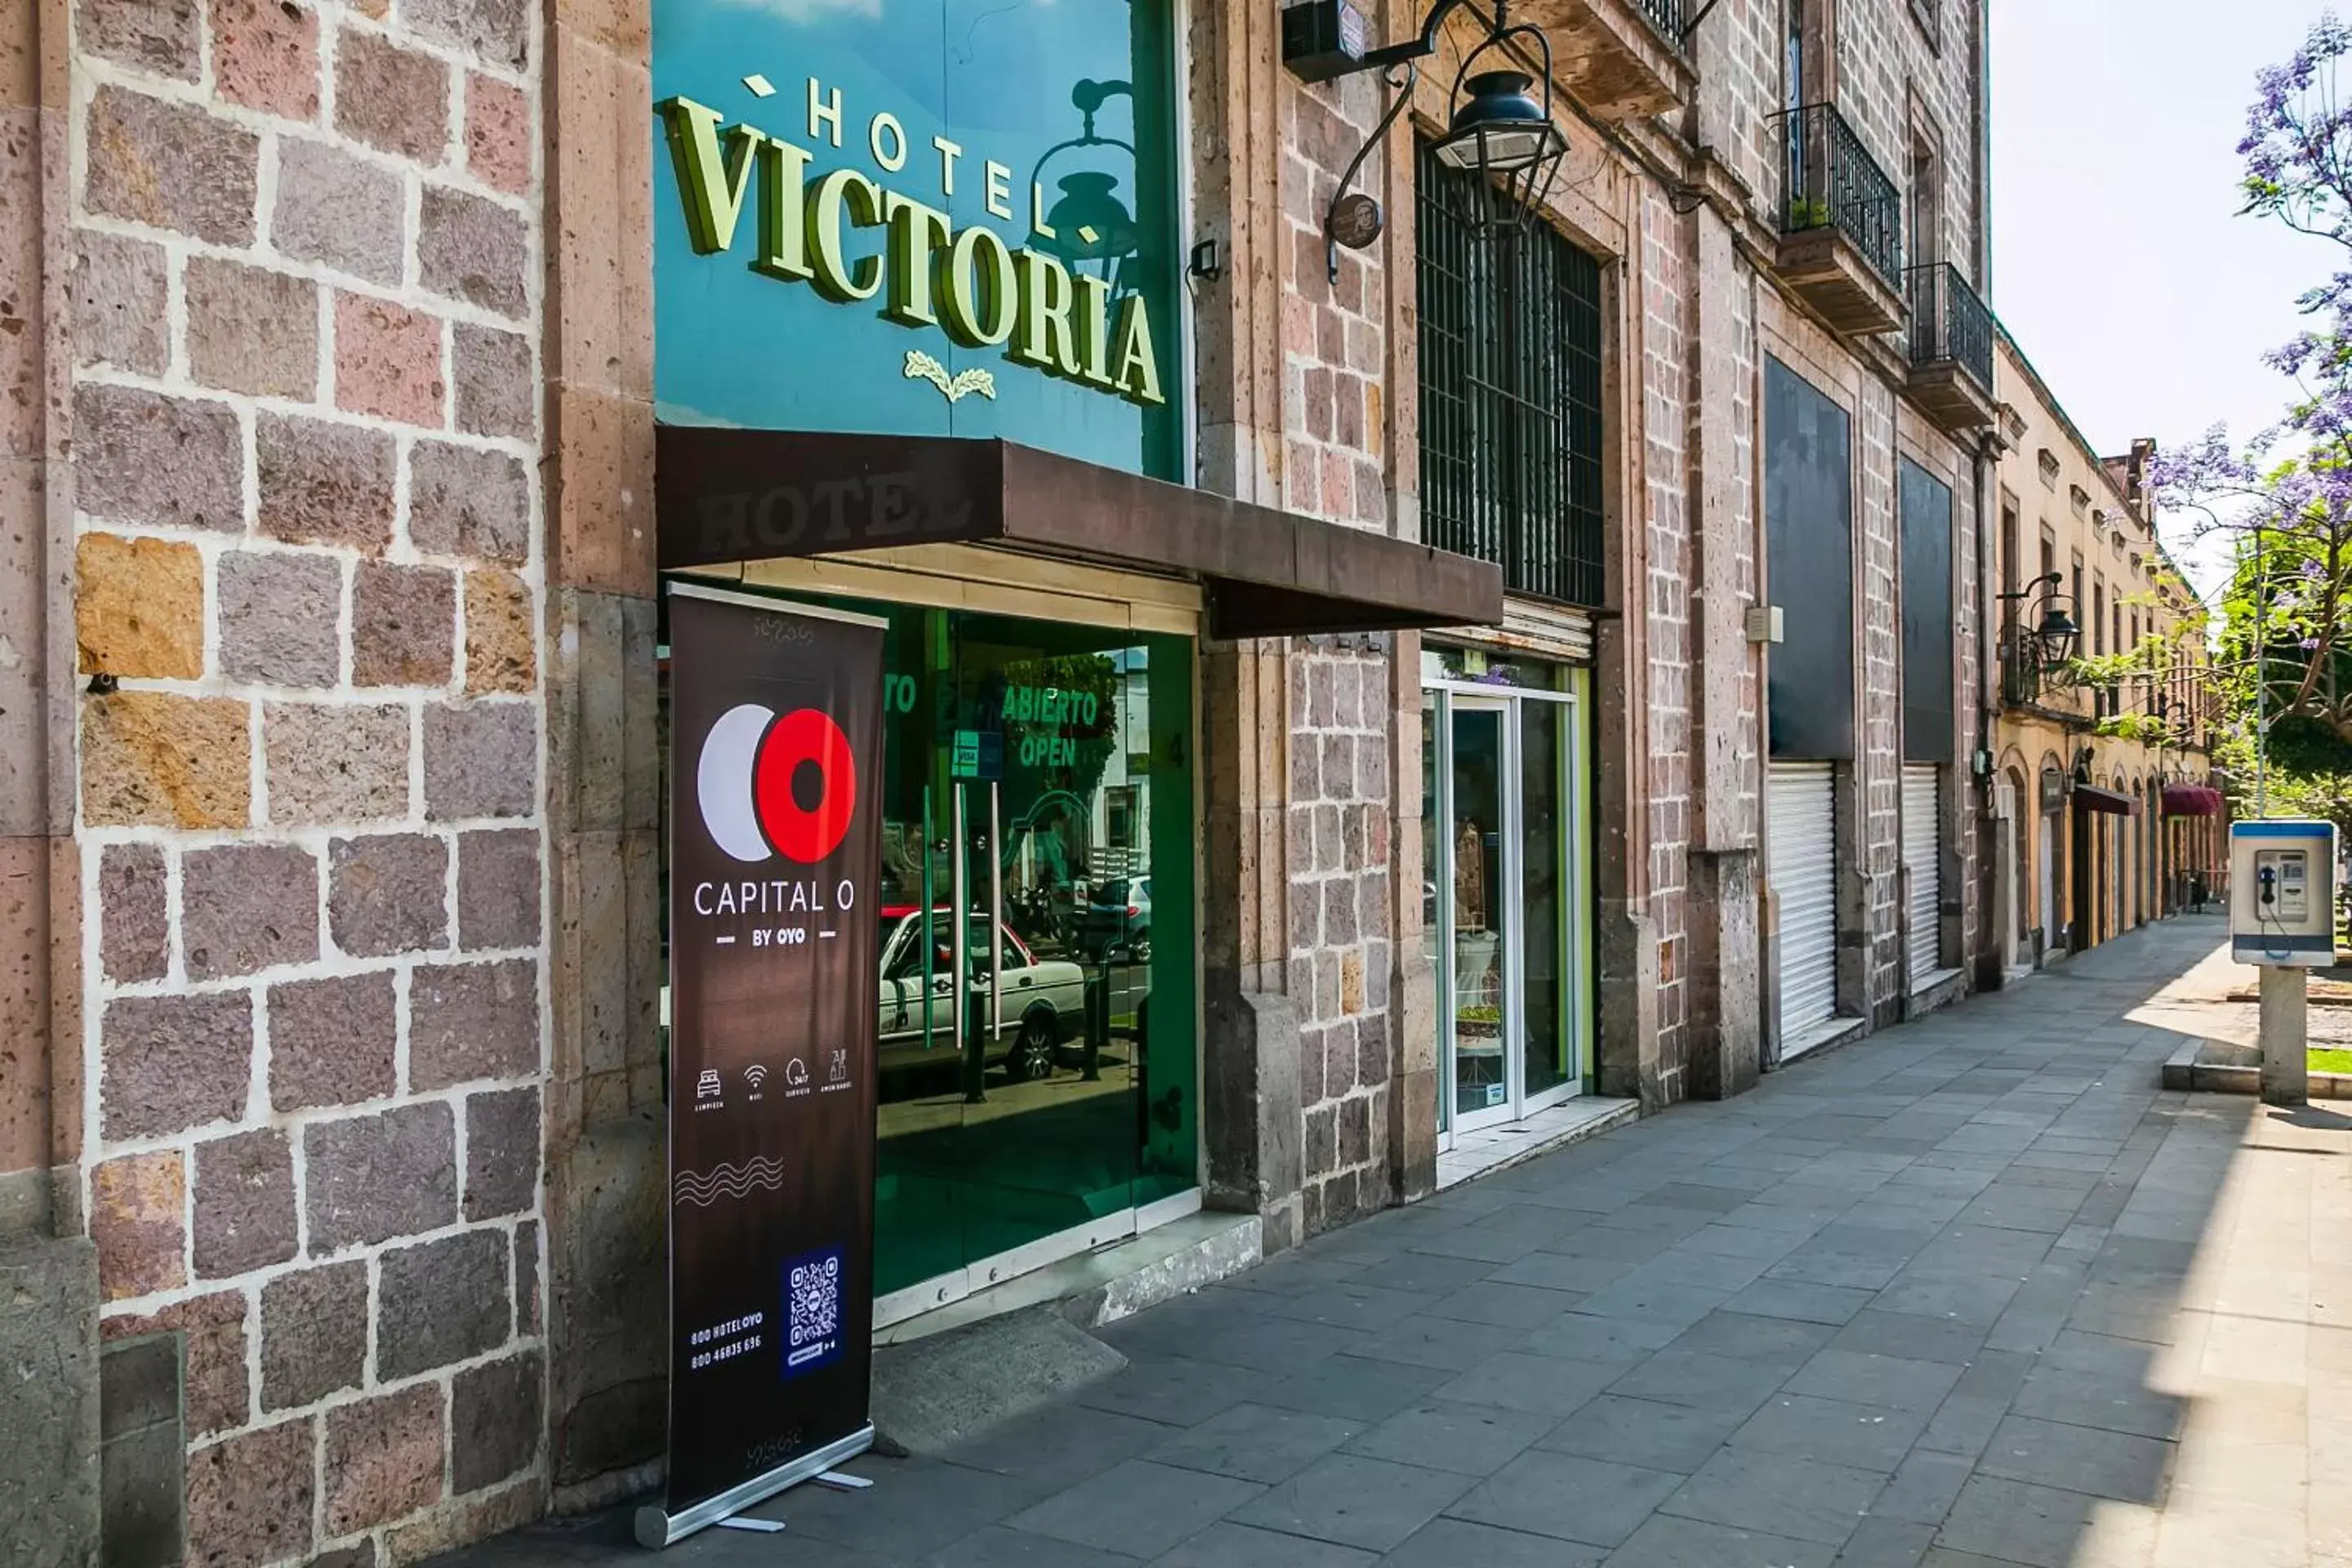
2055	636
1500	128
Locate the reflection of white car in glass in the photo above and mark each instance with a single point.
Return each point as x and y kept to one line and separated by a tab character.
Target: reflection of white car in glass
1043	999
1118	915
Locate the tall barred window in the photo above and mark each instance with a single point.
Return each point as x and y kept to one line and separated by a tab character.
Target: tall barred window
1510	392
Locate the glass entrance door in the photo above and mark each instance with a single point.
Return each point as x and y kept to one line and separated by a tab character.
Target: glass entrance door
1503	860
1484	917
1038	970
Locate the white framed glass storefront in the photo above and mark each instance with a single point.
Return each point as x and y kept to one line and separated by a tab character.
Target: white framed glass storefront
1507	858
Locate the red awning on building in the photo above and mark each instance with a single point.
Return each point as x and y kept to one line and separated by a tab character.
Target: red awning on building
2192	800
2090	797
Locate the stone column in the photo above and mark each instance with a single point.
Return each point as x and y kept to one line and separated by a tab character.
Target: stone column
49	1270
606	1135
1726	961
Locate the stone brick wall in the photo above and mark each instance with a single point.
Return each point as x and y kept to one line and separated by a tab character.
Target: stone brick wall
1336	359
1342	910
1879	734
308	591
1666	276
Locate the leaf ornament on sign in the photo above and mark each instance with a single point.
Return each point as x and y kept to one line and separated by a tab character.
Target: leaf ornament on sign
921	366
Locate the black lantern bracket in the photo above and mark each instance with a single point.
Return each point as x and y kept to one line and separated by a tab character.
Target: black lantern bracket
1323	40
1502	133
1355	220
2056	634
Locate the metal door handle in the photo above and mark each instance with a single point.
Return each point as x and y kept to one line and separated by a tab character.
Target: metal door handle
1025	980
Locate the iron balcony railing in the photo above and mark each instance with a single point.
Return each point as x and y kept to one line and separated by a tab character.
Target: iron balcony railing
1948	322
1834	183
1665	15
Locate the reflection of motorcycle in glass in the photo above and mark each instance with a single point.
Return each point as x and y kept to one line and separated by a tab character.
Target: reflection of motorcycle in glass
1041	915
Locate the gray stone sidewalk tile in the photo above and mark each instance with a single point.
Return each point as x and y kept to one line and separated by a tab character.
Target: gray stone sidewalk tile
1256	1443
1802	1301
999	1547
2096	1399
1832	1432
1817	1264
1767	1245
1468	1439
1061	1445
1458	1543
1511	1306
1438	1343
1428	1274
2079	1459
1176	1393
1295	1274
1896	1380
1355	1387
1137	1508
1977	1299
1703	1381
1778	1494
1963	1425
1885	1543
1228	1545
1352	1304
1371	1504
1593	1501
1712	1189
2012	1522
1910	1336
1538	1384
1731	1332
1233	1336
1608	1241
1650	1300
1923	1489
957	1501
1643	1433
1669	1542
1560	1271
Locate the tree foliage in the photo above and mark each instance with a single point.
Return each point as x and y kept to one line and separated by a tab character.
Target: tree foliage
2282	500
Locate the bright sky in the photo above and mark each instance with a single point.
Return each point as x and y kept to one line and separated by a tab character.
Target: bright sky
2118	262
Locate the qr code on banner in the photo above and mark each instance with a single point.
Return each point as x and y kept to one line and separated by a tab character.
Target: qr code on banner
813	1310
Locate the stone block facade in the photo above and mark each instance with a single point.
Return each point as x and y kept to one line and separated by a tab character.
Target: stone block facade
331	787
308	594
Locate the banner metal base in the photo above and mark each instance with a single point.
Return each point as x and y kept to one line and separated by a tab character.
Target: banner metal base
657	1529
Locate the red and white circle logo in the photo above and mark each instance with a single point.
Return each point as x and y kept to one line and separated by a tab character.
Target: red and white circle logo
768	785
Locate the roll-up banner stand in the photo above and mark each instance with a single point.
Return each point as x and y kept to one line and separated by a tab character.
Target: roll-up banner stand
775	850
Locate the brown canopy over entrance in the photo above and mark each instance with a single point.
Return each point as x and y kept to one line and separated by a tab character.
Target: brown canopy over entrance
725	496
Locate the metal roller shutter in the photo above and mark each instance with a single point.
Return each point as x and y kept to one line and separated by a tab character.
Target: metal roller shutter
1923	854
1803	825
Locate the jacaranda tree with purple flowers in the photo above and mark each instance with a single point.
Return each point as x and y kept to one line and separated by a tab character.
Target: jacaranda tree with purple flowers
2283	500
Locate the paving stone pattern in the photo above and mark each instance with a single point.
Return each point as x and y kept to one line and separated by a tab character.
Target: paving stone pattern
1971	1293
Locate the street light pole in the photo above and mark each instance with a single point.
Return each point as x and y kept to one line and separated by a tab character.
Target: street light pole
2261	681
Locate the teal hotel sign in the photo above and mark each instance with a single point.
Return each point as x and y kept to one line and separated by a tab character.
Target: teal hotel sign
878	217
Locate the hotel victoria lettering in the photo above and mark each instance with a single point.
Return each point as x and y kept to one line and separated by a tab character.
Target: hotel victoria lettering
968	282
